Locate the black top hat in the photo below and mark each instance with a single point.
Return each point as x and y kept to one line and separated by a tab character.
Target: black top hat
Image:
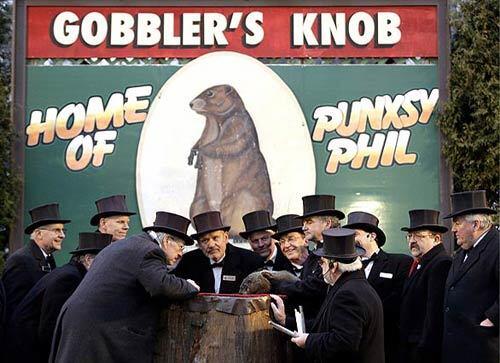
260	220
367	222
110	206
425	219
338	244
286	224
44	214
171	223
470	202
92	242
208	222
320	205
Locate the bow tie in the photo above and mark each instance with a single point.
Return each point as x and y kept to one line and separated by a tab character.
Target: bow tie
217	264
297	270
269	263
368	260
50	261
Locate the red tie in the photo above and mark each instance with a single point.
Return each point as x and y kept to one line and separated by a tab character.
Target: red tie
413	266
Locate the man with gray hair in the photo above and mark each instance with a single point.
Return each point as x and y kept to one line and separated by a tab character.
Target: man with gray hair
113	314
349	326
471	323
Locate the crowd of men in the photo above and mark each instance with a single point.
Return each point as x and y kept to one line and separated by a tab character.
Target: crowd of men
361	303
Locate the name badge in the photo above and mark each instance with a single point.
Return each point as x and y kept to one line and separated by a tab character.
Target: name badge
386	275
228	278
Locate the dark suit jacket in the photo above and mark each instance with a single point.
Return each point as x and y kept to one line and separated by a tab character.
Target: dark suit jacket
33	322
238	264
421	320
471	295
349	326
309	291
22	271
387	276
282	263
112	316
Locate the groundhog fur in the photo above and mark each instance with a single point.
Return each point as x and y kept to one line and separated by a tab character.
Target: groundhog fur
256	283
232	172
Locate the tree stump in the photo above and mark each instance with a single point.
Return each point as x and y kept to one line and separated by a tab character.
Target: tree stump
220	328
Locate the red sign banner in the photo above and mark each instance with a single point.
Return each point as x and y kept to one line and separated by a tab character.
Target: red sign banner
188	32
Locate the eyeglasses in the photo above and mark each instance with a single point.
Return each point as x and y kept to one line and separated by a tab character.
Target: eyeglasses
179	244
55	230
417	236
285	240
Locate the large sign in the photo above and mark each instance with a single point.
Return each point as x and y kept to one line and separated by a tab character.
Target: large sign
224	130
366	31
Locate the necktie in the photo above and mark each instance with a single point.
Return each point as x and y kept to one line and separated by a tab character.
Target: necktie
413	267
217	264
368	260
50	261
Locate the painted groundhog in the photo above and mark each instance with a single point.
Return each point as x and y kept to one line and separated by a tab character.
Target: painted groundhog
232	172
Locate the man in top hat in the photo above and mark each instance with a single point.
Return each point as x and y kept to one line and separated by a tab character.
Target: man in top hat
292	241
349	325
32	325
30	263
319	215
421	317
259	231
386	272
112	216
471	293
217	266
113	314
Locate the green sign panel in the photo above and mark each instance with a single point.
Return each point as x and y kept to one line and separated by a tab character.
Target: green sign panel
227	132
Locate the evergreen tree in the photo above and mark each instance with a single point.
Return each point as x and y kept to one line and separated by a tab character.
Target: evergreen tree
470	121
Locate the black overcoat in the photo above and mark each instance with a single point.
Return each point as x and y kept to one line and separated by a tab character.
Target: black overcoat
350	324
238	264
32	324
421	319
22	271
112	316
471	296
387	276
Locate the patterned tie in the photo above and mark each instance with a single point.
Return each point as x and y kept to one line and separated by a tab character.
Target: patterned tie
413	267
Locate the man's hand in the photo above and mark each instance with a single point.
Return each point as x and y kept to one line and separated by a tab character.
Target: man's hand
278	309
268	275
300	340
486	322
195	285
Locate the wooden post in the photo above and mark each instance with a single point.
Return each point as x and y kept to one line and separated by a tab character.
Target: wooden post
220	328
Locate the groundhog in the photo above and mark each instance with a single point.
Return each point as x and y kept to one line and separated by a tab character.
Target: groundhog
232	172
257	283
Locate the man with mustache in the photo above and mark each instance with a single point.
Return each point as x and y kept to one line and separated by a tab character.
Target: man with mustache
421	316
259	232
292	241
471	292
216	266
113	216
386	272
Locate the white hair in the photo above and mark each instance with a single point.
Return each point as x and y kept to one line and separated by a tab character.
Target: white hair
484	220
350	267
